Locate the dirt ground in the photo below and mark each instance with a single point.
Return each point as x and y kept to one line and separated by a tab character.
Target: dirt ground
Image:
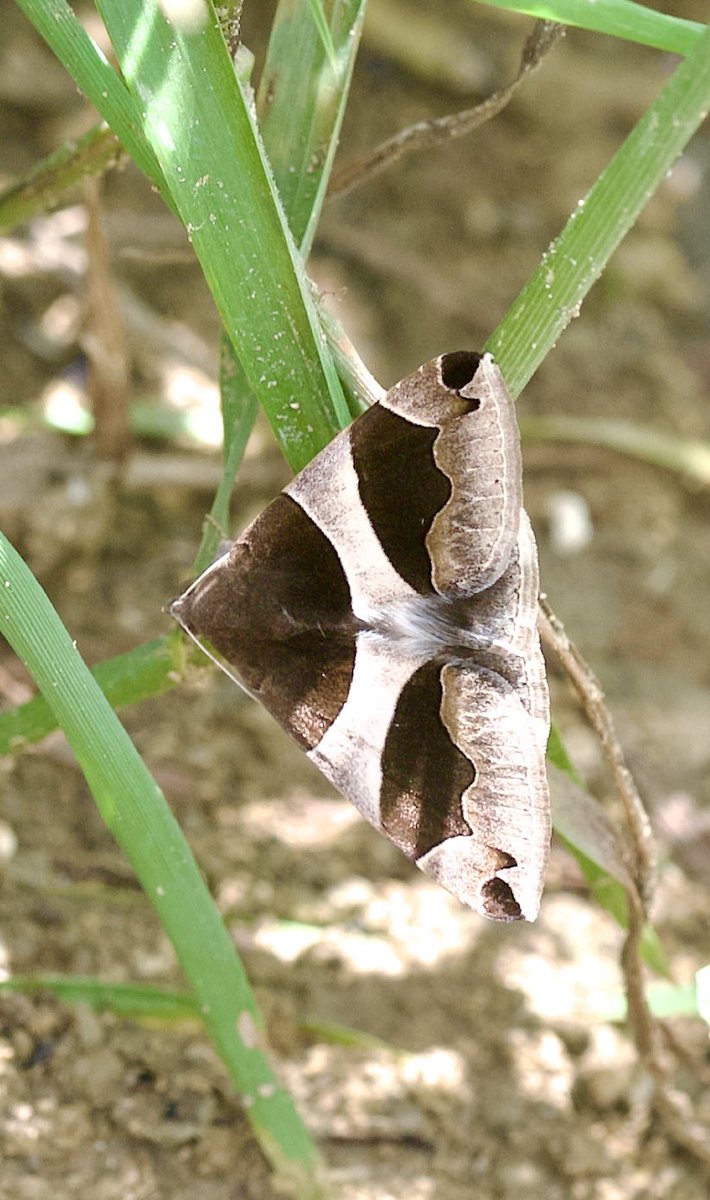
496	1072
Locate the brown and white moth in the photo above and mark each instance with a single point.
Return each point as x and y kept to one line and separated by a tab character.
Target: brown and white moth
383	609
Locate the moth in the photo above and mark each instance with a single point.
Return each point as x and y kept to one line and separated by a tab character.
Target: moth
383	609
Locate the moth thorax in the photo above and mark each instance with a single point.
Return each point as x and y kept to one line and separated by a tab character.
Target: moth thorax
428	625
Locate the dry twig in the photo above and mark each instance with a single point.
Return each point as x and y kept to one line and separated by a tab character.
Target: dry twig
670	1107
104	340
425	135
590	693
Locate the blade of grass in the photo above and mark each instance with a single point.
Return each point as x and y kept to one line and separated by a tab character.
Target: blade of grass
199	124
666	1000
611	895
300	135
554	293
46	185
148	670
558	756
135	811
55	21
321	23
301	101
239	408
619	18
702	992
125	999
142	1001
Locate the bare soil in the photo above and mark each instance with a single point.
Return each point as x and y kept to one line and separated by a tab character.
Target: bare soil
496	1072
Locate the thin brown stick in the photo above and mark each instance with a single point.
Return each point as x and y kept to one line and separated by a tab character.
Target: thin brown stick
671	1107
590	693
427	134
104	340
641	1020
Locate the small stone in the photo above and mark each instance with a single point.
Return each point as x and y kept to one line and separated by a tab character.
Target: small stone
97	1075
575	1039
577	1153
518	1177
8	843
604	1088
89	1030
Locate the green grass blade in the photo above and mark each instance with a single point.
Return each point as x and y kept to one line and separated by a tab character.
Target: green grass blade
199	124
611	895
148	670
619	18
558	756
95	77
135	811
125	999
320	22
300	102
47	183
666	1001
239	408
554	293
702	992
142	1001
300	135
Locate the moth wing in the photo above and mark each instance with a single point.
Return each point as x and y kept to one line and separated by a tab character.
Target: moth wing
505	616
500	870
477	452
275	613
442	751
422	493
447	761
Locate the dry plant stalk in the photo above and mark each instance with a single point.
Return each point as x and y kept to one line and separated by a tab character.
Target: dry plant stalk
671	1107
425	135
104	340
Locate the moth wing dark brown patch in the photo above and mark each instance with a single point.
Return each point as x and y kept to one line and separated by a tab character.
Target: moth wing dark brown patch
424	774
446	760
477	449
401	488
276	613
500	870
